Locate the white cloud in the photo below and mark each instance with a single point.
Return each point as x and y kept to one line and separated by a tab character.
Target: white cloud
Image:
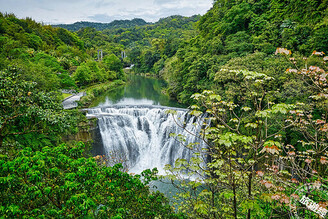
63	11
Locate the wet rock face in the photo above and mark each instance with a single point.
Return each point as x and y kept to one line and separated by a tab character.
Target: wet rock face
89	133
97	143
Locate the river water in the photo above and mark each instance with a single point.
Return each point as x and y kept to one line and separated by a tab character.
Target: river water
137	91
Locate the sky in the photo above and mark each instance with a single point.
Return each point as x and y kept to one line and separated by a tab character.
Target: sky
104	11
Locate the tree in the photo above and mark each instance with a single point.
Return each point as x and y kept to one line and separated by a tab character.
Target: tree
60	182
97	74
112	63
25	110
82	75
303	160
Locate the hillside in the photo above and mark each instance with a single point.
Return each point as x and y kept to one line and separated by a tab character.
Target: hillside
53	57
236	29
144	45
102	26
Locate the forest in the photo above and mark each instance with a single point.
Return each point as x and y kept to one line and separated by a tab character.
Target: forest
256	68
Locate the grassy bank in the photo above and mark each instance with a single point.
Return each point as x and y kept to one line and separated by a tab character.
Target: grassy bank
64	95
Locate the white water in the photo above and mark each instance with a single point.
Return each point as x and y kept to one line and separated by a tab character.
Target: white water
142	134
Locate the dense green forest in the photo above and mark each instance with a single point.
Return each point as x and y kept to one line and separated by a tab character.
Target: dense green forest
257	68
144	46
104	26
49	56
236	31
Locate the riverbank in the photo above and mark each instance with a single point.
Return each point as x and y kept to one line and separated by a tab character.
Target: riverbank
96	90
85	97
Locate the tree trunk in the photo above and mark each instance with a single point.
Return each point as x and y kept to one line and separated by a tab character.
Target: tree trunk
234	199
249	192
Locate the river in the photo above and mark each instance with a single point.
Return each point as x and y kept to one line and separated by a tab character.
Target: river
138	90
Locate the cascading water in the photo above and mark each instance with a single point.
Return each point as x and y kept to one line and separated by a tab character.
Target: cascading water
142	134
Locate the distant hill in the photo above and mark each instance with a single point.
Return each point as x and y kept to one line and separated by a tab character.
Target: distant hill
102	26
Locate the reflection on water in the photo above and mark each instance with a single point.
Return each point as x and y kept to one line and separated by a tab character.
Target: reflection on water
138	91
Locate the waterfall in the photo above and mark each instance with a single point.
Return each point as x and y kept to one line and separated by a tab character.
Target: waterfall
142	134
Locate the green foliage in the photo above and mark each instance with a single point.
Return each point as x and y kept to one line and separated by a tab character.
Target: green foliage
98	72
26	110
96	40
69	38
229	188
260	150
82	75
60	182
146	45
66	81
114	64
235	29
102	26
49	56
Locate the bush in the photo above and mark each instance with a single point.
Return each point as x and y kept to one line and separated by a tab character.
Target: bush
61	183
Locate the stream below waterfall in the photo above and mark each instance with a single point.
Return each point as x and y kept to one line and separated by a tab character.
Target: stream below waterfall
134	126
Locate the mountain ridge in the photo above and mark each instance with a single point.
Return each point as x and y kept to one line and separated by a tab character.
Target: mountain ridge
102	26
117	24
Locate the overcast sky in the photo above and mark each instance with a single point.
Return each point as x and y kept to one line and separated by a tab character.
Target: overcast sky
105	11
